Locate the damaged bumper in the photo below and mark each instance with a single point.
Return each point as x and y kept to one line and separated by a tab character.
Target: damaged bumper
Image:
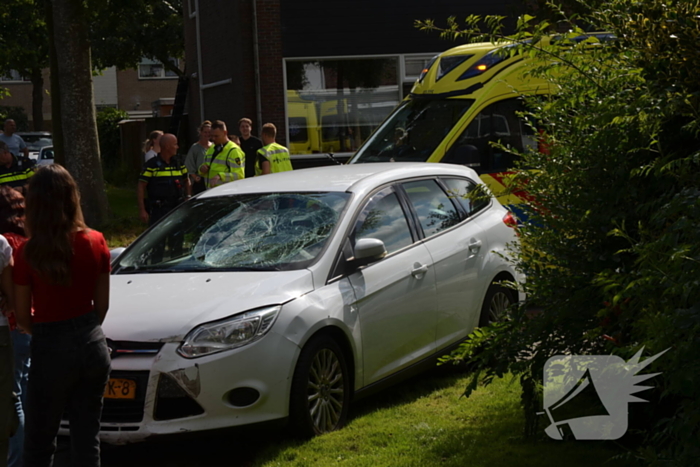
175	395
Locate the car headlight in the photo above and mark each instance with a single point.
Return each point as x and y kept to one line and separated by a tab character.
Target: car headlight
229	333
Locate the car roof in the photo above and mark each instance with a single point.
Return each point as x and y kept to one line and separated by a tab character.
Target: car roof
351	177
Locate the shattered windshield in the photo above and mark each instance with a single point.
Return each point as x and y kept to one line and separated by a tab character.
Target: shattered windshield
413	131
254	232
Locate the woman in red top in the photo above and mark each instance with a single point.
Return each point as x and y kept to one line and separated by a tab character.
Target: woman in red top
12	228
64	269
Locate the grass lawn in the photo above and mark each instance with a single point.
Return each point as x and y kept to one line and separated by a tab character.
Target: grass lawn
123	224
425	422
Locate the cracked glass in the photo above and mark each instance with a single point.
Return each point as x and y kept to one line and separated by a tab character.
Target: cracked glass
254	232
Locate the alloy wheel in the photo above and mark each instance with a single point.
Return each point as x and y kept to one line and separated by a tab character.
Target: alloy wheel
326	391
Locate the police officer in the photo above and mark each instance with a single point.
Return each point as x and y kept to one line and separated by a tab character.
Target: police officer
165	179
272	157
223	162
13	171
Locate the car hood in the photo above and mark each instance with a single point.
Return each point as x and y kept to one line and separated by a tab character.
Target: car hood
165	307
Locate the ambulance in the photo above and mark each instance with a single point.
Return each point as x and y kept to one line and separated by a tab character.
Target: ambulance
465	99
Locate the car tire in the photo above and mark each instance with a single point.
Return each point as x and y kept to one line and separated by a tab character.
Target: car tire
320	394
498	299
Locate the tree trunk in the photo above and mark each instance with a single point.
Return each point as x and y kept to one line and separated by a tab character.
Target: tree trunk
82	155
57	128
37	99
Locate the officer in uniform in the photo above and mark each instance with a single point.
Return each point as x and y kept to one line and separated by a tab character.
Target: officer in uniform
223	162
165	180
13	171
272	157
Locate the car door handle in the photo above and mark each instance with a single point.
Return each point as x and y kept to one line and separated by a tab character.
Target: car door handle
474	246
419	269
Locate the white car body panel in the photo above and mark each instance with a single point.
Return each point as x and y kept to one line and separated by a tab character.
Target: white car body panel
383	316
165	307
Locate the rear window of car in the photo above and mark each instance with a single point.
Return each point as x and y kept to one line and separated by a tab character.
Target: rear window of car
433	207
468	194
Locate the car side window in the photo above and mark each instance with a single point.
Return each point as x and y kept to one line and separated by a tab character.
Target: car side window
468	194
434	209
383	218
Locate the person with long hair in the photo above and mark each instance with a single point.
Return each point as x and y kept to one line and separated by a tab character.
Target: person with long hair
195	157
12	228
151	147
64	270
5	350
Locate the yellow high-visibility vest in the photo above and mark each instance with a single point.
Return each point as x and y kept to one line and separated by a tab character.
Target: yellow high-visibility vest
278	157
227	162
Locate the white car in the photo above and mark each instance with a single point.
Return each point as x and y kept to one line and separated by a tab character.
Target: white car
45	157
288	295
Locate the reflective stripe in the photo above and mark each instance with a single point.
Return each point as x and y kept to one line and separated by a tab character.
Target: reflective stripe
14	176
278	157
223	165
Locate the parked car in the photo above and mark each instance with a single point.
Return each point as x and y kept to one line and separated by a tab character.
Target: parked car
35	141
288	295
45	156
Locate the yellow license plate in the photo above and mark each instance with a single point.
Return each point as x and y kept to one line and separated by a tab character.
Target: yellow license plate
118	388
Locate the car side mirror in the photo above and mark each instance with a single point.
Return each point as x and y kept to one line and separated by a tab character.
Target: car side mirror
114	254
368	250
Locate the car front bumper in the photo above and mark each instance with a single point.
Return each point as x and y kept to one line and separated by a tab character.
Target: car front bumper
231	388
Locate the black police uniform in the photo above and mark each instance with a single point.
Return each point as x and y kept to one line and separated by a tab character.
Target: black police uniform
17	175
165	185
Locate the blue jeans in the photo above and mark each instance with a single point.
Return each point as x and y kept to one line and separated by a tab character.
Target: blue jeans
69	372
20	346
5	391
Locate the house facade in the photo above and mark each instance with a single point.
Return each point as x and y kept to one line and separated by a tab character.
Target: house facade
326	73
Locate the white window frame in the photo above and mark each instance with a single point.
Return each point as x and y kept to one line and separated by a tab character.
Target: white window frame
148	62
14	78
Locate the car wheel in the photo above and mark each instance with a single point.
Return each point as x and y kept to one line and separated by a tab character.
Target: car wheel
496	303
320	389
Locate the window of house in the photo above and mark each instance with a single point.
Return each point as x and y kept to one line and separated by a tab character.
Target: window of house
341	101
14	76
152	69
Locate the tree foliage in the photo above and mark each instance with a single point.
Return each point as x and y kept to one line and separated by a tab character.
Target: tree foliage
121	33
611	249
124	31
23	39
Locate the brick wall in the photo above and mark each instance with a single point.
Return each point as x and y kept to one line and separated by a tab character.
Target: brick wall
272	87
132	90
21	96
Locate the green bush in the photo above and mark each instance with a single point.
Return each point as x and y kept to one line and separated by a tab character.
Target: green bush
16	113
110	143
611	249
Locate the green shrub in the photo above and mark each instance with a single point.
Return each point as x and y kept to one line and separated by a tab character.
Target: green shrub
611	248
16	113
110	144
